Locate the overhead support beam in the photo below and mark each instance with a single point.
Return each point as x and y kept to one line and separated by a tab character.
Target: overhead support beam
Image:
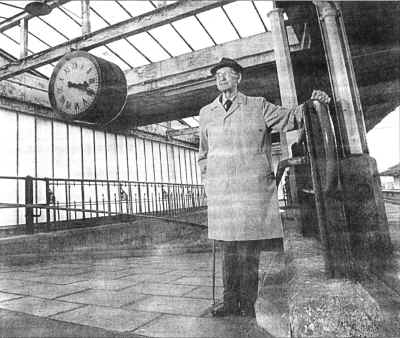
193	69
23	52
185	131
158	17
184	123
15	20
85	8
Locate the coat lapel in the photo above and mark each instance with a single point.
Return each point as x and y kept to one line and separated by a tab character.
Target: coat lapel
240	99
217	107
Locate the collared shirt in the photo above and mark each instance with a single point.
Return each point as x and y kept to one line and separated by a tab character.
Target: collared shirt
223	100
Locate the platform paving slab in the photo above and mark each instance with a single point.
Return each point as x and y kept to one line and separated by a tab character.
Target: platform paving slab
138	278
198	281
100	274
168	326
172	305
110	319
205	292
17	324
21	275
49	291
56	279
7	296
101	284
37	306
161	289
103	298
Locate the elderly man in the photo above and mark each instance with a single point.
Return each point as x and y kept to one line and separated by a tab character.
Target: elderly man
236	167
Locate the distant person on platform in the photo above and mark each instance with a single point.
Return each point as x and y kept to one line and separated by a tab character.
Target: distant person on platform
236	167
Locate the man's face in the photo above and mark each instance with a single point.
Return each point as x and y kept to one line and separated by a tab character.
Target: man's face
227	79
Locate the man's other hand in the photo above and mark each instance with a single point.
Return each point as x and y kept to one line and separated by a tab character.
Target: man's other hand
320	96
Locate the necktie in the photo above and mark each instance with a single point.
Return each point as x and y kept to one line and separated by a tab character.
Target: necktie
227	104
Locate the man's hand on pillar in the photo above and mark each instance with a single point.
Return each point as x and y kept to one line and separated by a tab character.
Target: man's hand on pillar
320	96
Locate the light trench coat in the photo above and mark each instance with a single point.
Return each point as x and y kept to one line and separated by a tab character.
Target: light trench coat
236	167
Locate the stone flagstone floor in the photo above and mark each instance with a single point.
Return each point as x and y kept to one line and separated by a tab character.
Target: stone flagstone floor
157	296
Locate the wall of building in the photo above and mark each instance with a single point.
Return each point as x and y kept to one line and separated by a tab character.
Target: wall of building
41	147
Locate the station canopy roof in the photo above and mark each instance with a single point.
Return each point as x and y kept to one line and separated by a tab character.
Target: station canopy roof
216	26
392	171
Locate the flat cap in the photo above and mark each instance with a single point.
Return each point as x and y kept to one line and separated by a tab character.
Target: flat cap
226	62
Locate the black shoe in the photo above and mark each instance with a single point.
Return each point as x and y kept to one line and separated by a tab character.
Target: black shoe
224	310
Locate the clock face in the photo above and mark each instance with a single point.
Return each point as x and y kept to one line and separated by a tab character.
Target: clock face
75	85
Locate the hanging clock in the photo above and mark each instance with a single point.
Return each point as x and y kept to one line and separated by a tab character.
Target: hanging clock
88	88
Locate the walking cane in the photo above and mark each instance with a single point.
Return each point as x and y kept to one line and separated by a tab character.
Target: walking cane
213	273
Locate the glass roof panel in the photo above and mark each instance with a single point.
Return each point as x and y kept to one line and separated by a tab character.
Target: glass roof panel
193	33
13	32
217	24
242	13
148	46
264	7
46	70
17	3
170	40
161	3
106	54
127	52
35	45
73	8
63	23
136	8
109	10
9	46
44	32
96	22
191	121
7	11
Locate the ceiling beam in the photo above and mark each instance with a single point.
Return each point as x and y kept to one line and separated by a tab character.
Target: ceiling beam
194	67
185	131
15	20
183	122
135	25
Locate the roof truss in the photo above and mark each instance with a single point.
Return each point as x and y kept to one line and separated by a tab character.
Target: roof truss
135	25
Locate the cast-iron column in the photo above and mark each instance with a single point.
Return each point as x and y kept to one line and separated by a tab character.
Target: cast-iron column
287	85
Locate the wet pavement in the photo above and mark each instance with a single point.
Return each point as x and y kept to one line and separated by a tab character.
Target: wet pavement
155	296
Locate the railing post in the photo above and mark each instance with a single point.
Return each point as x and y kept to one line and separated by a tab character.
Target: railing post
130	199
48	201
139	199
109	198
66	200
148	197
83	198
28	203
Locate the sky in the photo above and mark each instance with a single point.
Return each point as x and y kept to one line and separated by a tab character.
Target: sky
384	141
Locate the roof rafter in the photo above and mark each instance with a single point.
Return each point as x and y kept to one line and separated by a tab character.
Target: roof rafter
185	131
139	24
14	20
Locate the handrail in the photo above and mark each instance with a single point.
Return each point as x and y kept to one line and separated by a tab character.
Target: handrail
331	183
289	162
91	180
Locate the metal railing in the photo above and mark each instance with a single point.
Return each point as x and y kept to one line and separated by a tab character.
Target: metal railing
51	200
391	195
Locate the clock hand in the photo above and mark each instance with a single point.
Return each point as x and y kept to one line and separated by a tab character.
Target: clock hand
82	86
73	85
91	92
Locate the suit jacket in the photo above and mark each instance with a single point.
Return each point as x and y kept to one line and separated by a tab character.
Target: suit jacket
236	167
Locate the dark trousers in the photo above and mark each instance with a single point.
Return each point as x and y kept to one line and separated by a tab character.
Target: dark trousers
240	262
